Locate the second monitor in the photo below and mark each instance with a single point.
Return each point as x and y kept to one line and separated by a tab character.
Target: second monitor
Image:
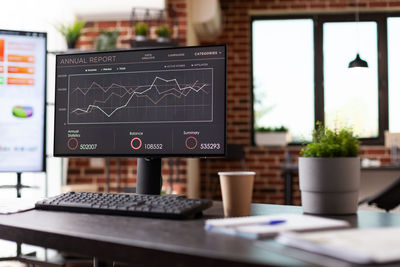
142	103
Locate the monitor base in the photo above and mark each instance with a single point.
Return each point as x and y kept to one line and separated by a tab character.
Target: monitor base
18	186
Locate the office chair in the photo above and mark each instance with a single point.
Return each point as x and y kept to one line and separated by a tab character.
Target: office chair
387	199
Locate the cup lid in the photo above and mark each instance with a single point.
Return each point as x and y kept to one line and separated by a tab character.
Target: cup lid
237	173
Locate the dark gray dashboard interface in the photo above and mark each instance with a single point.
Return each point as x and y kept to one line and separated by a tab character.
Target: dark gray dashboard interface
163	102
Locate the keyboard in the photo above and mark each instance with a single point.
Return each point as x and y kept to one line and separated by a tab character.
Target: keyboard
155	206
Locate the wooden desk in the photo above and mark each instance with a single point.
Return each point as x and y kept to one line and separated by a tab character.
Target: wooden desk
155	242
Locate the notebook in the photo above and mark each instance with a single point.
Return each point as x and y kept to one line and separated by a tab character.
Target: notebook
362	246
8	206
257	227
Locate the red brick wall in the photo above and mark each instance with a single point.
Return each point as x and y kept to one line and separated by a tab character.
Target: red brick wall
88	38
80	169
127	32
265	161
269	187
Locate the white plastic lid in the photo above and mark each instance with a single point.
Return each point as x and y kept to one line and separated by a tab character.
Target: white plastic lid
236	173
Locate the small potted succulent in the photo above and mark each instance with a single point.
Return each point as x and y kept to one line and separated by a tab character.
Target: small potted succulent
329	172
163	33
272	136
107	41
140	32
72	32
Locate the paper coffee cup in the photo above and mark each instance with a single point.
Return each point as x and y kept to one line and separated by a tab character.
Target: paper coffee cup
237	191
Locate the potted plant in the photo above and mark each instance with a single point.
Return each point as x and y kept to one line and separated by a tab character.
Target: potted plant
107	41
72	32
271	136
163	33
140	32
329	172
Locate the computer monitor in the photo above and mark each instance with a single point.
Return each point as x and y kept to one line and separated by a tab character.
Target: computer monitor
22	101
153	103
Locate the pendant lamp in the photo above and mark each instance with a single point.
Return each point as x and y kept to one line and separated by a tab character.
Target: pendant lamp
358	62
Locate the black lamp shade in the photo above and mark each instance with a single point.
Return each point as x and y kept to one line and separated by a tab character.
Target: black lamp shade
358	62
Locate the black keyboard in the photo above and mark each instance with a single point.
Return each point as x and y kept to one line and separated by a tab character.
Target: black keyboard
156	206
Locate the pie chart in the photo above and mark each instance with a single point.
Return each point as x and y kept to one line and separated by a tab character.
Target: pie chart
22	111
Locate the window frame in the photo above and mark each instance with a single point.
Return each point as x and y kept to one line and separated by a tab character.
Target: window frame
382	50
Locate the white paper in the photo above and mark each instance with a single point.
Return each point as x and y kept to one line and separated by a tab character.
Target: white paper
376	245
15	205
261	226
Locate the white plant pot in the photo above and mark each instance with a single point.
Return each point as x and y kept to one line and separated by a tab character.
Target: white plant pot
163	39
272	138
329	185
140	38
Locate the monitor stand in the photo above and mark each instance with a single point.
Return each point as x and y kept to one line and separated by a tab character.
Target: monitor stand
19	185
149	180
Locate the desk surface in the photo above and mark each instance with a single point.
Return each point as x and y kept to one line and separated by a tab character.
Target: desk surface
156	242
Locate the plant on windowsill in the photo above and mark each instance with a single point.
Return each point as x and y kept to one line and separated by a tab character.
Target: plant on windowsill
163	34
72	32
140	32
107	41
329	172
272	136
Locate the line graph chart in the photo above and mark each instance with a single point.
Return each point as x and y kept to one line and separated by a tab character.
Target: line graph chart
147	96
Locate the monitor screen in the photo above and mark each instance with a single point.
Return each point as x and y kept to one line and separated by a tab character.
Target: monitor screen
153	102
22	101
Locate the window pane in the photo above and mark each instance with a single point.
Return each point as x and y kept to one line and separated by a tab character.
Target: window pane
283	75
351	94
393	72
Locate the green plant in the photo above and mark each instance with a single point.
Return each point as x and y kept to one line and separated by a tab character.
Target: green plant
141	29
329	143
163	31
107	41
271	129
72	32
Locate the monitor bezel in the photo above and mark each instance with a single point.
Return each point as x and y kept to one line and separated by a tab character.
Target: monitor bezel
43	35
167	155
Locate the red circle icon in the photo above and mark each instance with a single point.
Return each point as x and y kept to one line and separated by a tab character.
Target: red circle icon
191	142
72	143
136	145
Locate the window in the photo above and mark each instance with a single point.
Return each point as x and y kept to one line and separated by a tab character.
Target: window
312	55
351	95
283	69
393	72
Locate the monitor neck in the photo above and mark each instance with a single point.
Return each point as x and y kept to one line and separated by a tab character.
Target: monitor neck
149	180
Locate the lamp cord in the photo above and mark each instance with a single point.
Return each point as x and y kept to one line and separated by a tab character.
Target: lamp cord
357	27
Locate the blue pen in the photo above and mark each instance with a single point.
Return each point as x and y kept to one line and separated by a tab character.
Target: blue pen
273	222
226	228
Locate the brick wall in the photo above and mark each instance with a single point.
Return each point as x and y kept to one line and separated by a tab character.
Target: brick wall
265	161
127	32
269	187
83	170
87	41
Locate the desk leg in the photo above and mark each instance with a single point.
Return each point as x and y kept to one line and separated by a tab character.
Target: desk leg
288	188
